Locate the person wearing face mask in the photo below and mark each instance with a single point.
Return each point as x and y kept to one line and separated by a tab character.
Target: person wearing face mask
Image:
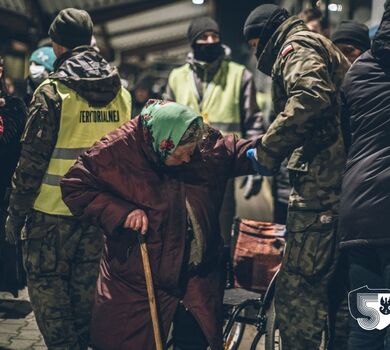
41	65
307	71
223	92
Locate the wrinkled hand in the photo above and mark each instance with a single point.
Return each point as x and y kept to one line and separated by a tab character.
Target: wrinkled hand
12	230
252	185
137	221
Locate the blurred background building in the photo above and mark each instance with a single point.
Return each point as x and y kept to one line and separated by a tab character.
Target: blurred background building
148	37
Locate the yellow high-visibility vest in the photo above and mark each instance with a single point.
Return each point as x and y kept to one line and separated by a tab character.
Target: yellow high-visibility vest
220	106
81	125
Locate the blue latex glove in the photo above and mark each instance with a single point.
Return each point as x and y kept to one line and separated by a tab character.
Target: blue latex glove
262	170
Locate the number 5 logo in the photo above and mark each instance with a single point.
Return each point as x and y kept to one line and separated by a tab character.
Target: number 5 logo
370	307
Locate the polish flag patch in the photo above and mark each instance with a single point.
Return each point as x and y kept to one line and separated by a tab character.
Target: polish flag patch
289	48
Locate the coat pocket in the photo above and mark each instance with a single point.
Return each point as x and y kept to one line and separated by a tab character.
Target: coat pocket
311	243
40	247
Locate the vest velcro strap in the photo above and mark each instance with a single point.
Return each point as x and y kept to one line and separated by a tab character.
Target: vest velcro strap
53	180
67	153
227	127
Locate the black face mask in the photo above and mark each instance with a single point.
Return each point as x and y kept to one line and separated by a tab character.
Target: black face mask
207	52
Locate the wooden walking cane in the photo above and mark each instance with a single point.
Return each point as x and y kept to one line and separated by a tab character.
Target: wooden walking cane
150	289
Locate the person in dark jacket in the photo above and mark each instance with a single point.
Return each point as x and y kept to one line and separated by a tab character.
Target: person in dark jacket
141	92
162	174
352	39
12	120
81	101
365	199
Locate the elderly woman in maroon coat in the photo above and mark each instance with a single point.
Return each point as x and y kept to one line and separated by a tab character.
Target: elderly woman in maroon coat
163	174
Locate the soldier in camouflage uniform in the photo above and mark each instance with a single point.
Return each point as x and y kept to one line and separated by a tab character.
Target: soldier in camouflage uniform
307	70
69	111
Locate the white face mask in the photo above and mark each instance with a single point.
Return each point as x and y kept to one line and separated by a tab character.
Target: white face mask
37	72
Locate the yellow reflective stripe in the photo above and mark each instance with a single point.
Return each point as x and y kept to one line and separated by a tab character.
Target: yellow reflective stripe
53	180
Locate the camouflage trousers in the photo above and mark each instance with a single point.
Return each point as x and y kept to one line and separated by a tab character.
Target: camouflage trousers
302	295
61	256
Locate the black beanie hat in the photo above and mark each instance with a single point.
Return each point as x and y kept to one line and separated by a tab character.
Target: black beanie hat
263	21
353	33
71	28
199	26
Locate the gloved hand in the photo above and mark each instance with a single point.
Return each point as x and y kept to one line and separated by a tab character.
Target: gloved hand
262	170
252	185
12	230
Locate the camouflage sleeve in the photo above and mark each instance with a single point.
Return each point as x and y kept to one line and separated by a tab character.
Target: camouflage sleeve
38	141
252	119
308	87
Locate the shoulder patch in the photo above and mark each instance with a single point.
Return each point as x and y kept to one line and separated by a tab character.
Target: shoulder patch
289	48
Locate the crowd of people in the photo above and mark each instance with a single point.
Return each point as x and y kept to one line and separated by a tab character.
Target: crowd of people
94	167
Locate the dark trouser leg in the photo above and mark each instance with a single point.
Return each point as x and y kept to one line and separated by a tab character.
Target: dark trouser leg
339	312
280	212
187	334
85	269
367	266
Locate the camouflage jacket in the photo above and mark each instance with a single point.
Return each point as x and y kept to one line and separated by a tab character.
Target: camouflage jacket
307	71
98	84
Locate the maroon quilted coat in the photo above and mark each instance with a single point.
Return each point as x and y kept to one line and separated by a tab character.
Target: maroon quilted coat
121	173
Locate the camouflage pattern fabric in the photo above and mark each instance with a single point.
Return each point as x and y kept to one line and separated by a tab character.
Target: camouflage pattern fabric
307	71
61	256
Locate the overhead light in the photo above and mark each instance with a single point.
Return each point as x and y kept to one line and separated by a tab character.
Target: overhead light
198	2
335	7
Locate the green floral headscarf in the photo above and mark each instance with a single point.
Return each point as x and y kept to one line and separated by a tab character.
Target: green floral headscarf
164	124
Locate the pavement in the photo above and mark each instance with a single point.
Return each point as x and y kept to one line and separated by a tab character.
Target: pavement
19	331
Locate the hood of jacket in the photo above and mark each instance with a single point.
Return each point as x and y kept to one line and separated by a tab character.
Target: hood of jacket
381	42
275	43
87	73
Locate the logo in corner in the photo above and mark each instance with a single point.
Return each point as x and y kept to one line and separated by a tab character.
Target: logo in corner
370	307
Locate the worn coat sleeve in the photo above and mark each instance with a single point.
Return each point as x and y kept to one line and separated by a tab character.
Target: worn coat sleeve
38	141
252	118
236	150
308	88
88	194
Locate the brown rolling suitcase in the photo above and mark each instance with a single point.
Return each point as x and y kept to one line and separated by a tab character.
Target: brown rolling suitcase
257	254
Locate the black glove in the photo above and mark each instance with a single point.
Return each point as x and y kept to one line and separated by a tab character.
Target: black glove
252	185
13	229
